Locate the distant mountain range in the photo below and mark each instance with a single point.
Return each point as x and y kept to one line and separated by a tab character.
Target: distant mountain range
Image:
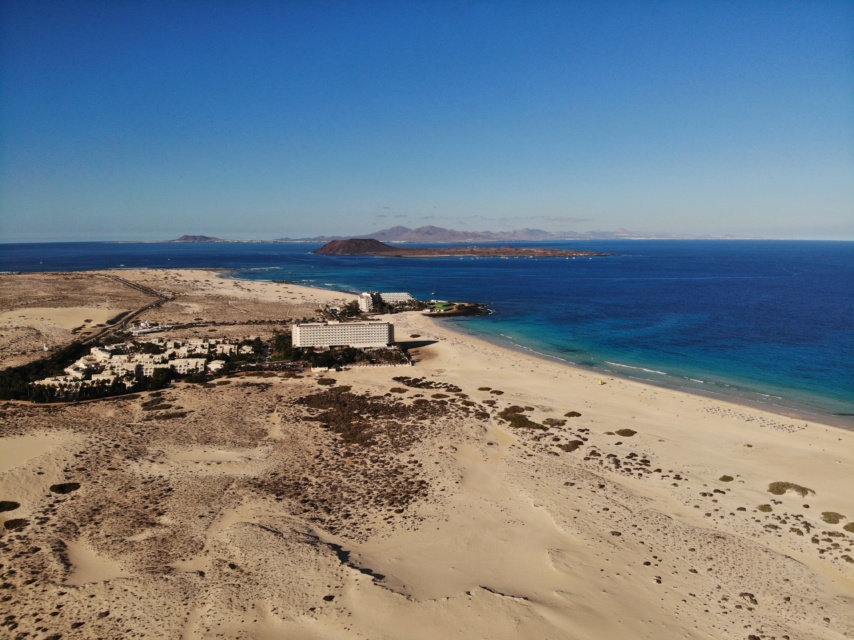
431	234
438	234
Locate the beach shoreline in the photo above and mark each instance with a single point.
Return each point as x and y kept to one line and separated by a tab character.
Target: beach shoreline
793	410
788	408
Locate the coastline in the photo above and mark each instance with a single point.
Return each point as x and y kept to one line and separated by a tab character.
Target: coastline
808	370
611	510
450	331
793	410
788	408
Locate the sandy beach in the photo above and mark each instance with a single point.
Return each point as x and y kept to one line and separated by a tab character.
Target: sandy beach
481	493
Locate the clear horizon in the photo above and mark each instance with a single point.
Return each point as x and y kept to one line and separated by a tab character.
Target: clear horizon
311	239
261	120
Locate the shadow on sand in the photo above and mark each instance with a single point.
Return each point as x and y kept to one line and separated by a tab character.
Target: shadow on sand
406	345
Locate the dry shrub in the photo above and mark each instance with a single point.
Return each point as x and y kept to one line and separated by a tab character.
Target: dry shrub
424	383
515	416
831	517
780	488
172	415
554	422
156	405
66	487
16	525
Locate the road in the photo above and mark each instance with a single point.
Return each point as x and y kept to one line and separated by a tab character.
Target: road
131	315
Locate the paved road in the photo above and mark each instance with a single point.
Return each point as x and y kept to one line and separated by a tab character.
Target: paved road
122	322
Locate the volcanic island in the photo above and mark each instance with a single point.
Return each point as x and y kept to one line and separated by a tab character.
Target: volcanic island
371	247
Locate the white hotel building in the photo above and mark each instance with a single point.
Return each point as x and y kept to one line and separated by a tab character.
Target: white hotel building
366	302
339	334
394	297
367	299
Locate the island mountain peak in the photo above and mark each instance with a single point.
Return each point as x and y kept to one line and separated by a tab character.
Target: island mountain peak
186	238
354	247
373	247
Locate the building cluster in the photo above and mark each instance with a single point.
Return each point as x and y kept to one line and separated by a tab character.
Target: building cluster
343	334
369	300
148	327
122	361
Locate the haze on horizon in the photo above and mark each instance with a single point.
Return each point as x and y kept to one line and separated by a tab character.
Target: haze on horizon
259	120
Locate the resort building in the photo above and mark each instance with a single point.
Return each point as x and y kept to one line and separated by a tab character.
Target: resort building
123	361
369	301
215	365
185	366
337	334
99	354
366	302
146	367
147	327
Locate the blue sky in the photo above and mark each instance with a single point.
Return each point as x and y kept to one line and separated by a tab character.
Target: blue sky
147	120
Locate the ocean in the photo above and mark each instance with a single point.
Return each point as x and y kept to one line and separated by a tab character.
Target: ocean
769	323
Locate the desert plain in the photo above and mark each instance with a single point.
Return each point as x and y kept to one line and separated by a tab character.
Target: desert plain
481	493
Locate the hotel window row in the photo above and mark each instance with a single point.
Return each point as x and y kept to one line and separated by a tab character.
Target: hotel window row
351	334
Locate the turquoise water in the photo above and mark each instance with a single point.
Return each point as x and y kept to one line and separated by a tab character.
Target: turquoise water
760	321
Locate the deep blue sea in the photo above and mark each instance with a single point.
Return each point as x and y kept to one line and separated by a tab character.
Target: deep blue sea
767	322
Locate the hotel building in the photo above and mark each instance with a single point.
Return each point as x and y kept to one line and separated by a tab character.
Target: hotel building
366	303
349	334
